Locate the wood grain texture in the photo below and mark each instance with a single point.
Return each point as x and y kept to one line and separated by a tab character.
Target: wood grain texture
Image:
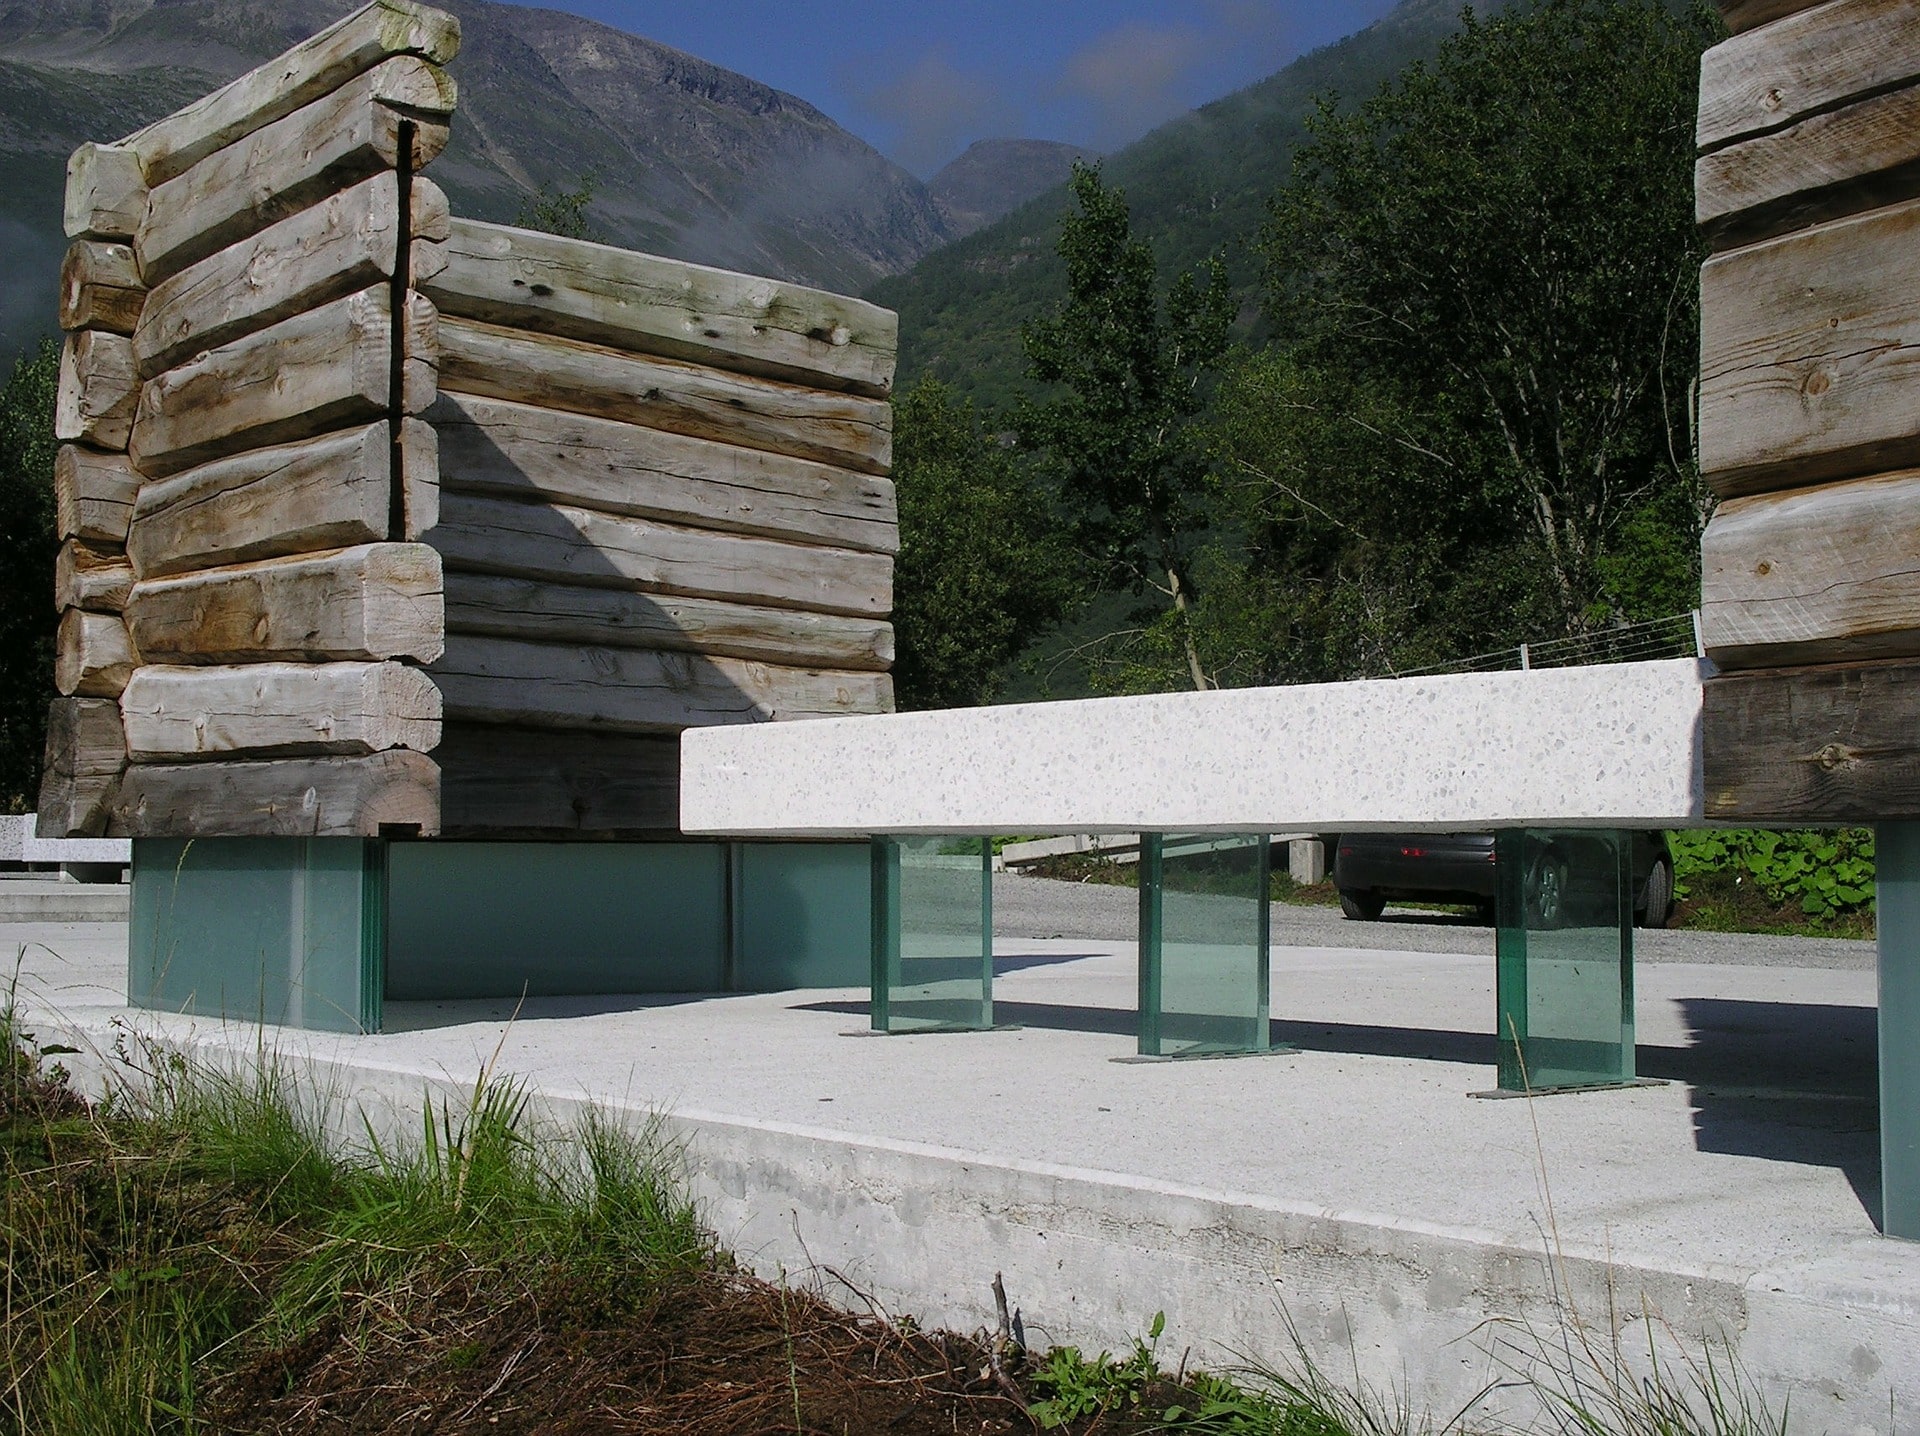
98	390
305	73
375	601
346	243
1819	575
100	287
540	783
321	370
315	494
499	680
1810	355
94	655
490	446
335	797
106	196
278	709
1744	15
86	751
324	147
580	546
93	494
844	430
1813	746
547	612
91	577
1813	60
643	303
1861	157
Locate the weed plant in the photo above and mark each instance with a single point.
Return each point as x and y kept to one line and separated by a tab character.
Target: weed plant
167	1250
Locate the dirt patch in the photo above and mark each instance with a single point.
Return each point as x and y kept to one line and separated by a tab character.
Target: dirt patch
712	1354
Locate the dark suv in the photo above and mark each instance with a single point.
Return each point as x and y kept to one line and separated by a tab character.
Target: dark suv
1370	869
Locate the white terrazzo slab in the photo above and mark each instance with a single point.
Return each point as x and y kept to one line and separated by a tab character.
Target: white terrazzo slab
1613	745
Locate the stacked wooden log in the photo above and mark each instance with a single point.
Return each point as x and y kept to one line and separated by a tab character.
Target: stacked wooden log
381	519
1808	187
664	504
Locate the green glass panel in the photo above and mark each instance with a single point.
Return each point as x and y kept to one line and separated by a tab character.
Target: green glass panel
800	916
1203	944
278	930
1897	896
932	934
498	919
1564	944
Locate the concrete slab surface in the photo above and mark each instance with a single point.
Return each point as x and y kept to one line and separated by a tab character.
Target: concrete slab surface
1351	1194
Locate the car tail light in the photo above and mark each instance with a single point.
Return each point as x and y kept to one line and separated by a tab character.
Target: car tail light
1413	852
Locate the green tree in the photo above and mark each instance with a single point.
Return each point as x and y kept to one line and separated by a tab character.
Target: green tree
1486	275
27	550
980	573
562	212
1126	374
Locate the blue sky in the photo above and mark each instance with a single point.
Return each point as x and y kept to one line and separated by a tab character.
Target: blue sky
920	80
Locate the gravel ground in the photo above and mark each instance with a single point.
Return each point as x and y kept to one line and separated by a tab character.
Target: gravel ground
1038	907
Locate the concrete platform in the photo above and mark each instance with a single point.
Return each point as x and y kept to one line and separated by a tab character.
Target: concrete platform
1353	1194
28	900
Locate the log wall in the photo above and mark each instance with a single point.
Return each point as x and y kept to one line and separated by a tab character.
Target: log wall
1807	187
366	506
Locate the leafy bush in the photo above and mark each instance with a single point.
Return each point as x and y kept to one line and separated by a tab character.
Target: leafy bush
1829	873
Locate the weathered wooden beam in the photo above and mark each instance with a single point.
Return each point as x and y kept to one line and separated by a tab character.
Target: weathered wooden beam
94	656
335	797
308	72
643	303
580	546
1828	165
86	751
514	782
326	146
321	370
345	243
499	680
547	612
1821	575
93	494
98	391
1810	355
100	287
106	196
490	446
278	709
1813	746
844	430
1813	60
90	577
375	601
331	492
1744	15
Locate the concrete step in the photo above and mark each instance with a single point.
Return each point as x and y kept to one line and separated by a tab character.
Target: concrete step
63	902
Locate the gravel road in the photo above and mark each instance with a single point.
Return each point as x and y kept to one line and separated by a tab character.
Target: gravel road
1039	907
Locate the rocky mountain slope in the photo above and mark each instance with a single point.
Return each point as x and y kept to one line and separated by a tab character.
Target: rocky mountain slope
686	158
996	177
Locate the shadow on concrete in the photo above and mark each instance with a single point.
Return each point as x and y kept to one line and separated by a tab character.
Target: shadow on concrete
1786	1081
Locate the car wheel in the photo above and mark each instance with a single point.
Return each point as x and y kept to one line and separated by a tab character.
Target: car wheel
1361	906
1547	891
1659	894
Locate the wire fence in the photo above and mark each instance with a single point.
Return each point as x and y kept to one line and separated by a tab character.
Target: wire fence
1677	636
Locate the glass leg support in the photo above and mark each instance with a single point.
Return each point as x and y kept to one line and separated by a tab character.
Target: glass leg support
932	934
1564	960
1204	945
1897	894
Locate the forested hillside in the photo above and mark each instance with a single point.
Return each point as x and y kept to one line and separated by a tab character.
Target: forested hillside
1431	395
1196	186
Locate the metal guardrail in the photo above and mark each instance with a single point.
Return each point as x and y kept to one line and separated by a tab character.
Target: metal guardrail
1677	636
